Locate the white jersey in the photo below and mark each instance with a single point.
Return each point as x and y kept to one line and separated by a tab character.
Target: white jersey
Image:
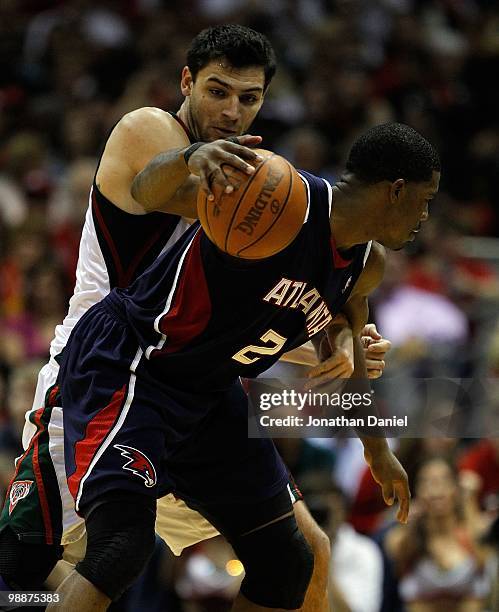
93	275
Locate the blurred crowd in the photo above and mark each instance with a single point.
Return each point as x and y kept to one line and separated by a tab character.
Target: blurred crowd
70	69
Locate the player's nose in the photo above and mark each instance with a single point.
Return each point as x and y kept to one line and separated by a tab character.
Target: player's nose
232	109
425	215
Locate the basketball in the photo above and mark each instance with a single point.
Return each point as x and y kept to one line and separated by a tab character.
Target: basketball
262	215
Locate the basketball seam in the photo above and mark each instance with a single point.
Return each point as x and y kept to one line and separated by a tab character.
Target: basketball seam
280	213
242	197
208	229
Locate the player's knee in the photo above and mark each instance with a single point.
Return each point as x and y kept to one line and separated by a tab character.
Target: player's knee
26	566
320	543
120	541
315	536
279	563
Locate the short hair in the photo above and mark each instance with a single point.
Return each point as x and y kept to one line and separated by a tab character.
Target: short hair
241	46
391	151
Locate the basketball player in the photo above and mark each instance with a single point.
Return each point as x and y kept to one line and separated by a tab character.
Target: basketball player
134	426
118	243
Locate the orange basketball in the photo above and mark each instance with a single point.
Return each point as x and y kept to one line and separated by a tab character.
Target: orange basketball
262	216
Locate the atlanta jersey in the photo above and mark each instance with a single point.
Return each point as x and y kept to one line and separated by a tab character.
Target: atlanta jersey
152	401
198	314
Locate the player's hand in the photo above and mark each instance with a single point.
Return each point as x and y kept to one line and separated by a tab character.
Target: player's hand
388	472
375	349
214	162
336	355
338	366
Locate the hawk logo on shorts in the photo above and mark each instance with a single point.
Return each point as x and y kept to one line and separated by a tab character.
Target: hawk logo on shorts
138	463
18	491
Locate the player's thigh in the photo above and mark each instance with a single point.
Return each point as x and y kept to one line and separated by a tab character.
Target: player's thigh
124	452
114	428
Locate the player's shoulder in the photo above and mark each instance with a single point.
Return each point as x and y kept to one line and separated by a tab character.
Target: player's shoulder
147	114
374	269
319	198
313	181
149	120
377	257
377	253
139	136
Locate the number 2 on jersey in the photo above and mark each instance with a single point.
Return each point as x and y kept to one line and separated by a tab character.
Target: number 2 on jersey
271	337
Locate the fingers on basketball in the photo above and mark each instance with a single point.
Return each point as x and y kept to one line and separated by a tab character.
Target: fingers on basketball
263	214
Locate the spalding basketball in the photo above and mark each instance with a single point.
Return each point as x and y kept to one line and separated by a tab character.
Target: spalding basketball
262	215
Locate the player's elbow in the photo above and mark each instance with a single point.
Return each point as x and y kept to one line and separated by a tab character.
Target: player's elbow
141	193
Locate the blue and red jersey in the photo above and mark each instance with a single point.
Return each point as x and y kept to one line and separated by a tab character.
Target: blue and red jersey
202	316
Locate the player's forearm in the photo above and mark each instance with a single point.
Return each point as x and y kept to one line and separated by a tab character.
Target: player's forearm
155	185
373	444
337	335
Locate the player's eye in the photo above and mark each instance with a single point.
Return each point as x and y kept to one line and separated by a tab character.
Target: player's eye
249	99
217	92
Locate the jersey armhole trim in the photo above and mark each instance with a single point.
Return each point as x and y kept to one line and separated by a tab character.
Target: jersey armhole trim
329	195
168	303
366	254
307	187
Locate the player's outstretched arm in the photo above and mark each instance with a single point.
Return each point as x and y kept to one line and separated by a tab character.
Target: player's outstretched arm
148	158
385	467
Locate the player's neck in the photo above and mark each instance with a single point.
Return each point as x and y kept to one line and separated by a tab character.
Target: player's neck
351	220
185	116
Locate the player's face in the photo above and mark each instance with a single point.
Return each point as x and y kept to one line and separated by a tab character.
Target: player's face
408	209
223	101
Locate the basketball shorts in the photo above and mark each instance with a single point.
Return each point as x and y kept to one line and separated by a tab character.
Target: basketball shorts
39	506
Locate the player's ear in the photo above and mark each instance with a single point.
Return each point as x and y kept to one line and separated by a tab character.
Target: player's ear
186	81
397	190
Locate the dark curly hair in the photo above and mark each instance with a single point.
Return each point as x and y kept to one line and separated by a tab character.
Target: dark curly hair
391	151
240	45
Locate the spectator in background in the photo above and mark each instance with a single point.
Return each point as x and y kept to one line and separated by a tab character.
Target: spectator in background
22	385
419	323
356	563
479	466
27	335
304	458
356	572
66	211
26	248
306	147
438	558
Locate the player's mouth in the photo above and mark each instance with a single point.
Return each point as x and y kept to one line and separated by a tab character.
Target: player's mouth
224	132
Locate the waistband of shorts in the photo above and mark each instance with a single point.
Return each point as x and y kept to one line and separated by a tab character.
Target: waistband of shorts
114	306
